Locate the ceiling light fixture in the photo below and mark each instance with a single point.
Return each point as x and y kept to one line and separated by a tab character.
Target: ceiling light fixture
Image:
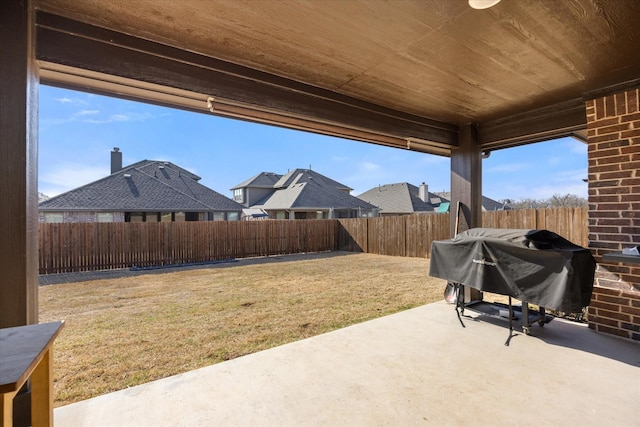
483	4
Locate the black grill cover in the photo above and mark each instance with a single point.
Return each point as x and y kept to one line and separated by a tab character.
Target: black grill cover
536	266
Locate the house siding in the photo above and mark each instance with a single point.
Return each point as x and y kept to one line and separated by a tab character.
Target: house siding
82	216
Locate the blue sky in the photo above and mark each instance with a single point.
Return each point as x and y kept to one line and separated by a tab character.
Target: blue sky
78	131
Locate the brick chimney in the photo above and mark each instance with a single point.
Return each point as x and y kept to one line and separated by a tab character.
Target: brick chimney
423	192
116	160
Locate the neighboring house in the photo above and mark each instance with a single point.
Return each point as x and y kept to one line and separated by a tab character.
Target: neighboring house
146	191
487	203
405	199
401	199
300	194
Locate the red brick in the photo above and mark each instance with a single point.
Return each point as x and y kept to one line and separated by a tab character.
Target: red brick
632	166
604	122
619	143
604	229
615	207
614	190
619	269
633	152
630	230
630	310
629	214
614	300
630	133
604	183
611	198
608	155
629	327
632	101
629	278
620	100
609	106
635	197
603	138
612	331
607	291
599	108
609	322
617	158
631	117
604	168
609	314
607	176
605	307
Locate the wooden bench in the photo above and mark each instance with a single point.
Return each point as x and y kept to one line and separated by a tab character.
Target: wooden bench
26	353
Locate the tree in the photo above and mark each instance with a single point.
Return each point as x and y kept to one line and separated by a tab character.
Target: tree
555	201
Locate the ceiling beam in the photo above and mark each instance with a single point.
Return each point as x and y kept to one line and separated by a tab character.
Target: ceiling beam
555	121
237	91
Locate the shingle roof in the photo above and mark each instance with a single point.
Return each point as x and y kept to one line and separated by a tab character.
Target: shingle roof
305	175
397	198
262	180
143	186
307	189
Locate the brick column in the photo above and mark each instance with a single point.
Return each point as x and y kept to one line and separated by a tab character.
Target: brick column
613	124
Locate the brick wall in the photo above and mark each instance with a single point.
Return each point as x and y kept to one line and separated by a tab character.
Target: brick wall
613	124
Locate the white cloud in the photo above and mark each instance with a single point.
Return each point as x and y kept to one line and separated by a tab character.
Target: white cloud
509	168
123	117
368	166
72	101
65	177
87	112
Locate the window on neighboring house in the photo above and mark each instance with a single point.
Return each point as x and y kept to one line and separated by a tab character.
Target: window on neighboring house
238	195
233	216
104	217
191	216
53	217
218	216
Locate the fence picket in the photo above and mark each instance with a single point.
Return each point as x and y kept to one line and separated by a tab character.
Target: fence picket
100	246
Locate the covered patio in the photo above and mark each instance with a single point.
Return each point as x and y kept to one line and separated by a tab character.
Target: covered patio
433	76
417	367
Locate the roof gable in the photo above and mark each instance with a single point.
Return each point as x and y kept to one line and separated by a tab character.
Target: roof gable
261	180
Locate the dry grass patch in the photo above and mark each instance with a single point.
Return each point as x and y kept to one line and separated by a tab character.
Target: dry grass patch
127	331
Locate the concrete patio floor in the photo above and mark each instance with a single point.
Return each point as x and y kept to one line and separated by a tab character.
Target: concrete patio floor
417	367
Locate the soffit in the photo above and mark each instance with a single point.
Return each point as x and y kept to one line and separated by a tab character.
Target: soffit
437	59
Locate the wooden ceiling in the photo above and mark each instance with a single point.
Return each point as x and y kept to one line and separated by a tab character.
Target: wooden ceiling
381	71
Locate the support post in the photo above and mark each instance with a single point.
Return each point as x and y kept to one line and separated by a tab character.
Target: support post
466	187
18	162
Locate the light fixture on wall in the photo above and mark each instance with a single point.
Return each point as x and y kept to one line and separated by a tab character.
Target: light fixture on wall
483	4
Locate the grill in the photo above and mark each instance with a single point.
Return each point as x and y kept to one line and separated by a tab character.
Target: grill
533	266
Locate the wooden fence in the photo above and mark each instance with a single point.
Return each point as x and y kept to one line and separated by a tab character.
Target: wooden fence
69	247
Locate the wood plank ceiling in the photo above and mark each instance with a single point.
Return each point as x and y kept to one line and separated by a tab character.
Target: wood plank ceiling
384	72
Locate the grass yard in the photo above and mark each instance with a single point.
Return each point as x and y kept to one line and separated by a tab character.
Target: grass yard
127	331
